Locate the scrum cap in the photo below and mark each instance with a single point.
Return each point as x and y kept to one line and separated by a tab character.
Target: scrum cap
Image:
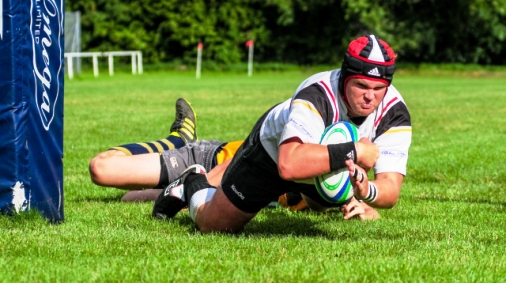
368	57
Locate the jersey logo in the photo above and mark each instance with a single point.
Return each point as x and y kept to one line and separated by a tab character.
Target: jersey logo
350	155
374	72
239	194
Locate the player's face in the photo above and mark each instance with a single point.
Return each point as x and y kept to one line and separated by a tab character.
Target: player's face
364	96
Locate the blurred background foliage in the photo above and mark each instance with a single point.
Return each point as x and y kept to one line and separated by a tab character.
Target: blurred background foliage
297	32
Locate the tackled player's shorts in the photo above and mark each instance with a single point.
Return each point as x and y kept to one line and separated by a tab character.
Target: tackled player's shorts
201	152
252	181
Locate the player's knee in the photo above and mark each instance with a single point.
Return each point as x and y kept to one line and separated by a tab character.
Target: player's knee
99	166
209	225
97	170
226	224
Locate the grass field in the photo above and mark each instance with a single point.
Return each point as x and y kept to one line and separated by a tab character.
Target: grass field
449	224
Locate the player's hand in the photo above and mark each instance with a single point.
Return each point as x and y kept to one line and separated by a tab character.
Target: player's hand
367	153
359	179
359	210
353	209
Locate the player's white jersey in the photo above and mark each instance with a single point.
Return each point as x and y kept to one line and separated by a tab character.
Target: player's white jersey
317	104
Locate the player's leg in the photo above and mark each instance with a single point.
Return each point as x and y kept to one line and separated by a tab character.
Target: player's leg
173	197
120	167
314	201
220	215
214	155
314	205
175	163
292	201
216	174
249	184
182	131
211	210
126	172
141	195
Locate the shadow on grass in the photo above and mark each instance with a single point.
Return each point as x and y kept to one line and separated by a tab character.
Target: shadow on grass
102	199
275	223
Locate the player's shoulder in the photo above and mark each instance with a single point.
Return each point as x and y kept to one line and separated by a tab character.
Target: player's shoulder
328	78
393	103
393	114
393	96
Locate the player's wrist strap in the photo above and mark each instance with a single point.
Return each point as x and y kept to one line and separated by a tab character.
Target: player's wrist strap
339	153
372	194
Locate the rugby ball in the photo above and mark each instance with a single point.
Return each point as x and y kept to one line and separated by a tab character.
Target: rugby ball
335	186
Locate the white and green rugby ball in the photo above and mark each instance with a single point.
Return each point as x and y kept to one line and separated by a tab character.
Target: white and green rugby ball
335	186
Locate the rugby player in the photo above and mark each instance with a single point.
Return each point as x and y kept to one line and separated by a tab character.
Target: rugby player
283	150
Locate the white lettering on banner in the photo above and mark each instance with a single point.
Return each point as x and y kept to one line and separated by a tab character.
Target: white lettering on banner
45	53
18	197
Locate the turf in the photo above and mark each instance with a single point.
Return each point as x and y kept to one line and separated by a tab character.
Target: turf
447	227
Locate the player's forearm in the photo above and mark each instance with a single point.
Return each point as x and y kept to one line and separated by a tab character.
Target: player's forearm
302	161
387	193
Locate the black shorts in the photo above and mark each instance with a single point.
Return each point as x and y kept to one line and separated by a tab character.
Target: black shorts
252	181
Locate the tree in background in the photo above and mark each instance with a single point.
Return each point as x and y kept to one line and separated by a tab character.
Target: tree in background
295	31
167	30
466	31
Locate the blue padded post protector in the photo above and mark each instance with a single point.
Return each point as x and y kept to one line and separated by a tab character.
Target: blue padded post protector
31	107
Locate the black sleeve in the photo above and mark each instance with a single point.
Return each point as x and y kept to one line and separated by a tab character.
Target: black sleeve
317	96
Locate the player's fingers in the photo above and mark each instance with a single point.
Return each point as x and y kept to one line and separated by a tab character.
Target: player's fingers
351	166
359	176
348	208
355	212
345	209
349	163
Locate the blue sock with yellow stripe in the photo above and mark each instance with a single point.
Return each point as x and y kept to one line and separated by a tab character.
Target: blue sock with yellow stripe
173	141
183	131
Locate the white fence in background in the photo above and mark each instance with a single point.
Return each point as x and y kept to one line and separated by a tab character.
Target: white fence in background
136	60
73	37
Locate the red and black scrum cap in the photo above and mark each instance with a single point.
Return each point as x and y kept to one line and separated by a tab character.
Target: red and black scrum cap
368	57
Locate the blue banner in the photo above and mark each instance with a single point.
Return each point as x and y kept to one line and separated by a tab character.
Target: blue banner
31	107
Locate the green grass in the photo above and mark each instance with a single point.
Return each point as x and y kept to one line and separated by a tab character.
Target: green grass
448	226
